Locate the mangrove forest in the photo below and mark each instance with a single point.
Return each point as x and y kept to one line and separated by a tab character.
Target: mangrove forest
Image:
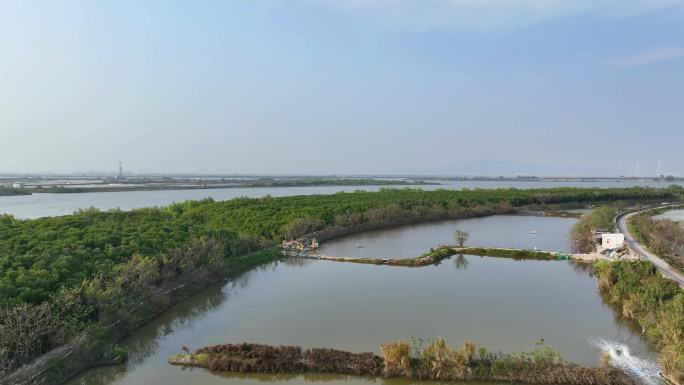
81	282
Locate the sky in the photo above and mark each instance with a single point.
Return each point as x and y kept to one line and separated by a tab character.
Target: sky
448	87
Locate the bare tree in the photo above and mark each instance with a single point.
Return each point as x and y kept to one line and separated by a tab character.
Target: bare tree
461	237
26	331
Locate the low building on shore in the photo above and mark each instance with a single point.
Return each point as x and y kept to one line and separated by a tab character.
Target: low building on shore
608	240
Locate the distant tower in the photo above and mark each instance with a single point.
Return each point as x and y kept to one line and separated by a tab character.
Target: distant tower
659	173
120	176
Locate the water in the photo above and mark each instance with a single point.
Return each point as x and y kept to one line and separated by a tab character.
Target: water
675	215
646	370
578	211
500	303
41	205
493	231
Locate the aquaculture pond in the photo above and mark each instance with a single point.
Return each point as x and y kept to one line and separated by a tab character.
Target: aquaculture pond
675	215
500	303
524	232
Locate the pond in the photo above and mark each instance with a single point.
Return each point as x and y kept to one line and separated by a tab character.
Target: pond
523	232
500	303
675	215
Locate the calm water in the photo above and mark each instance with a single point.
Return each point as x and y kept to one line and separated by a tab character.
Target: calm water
41	205
675	215
500	303
493	231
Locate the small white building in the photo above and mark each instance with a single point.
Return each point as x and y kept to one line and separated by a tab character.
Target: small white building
609	241
17	185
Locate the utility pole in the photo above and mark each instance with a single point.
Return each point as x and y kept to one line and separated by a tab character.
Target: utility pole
120	171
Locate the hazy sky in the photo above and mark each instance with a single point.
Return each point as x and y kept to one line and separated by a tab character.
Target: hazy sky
343	86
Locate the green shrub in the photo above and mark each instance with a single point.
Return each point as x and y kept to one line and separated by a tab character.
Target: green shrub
656	303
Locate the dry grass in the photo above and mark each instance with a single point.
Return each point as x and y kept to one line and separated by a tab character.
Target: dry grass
397	358
434	360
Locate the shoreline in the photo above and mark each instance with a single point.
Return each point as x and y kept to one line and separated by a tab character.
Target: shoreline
442	252
162	187
46	370
50	374
51	368
434	361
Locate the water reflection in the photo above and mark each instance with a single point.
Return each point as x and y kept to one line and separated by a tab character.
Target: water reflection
144	342
301	262
284	377
493	231
500	303
583	267
461	262
244	378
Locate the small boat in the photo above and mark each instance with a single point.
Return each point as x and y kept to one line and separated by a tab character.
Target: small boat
533	232
360	245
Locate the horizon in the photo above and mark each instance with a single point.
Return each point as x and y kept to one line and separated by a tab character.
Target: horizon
107	174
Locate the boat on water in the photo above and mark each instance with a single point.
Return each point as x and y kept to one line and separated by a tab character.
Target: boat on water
360	245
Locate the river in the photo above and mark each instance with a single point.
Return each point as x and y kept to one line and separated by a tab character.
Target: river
500	303
42	205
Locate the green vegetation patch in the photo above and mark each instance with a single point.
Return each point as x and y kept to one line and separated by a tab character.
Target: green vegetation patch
656	303
664	237
582	234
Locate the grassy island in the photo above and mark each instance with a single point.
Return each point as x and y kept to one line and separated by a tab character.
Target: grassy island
433	360
437	255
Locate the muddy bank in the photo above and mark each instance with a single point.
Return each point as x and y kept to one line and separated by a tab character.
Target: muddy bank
434	361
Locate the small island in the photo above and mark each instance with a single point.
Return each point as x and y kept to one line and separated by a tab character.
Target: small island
424	360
